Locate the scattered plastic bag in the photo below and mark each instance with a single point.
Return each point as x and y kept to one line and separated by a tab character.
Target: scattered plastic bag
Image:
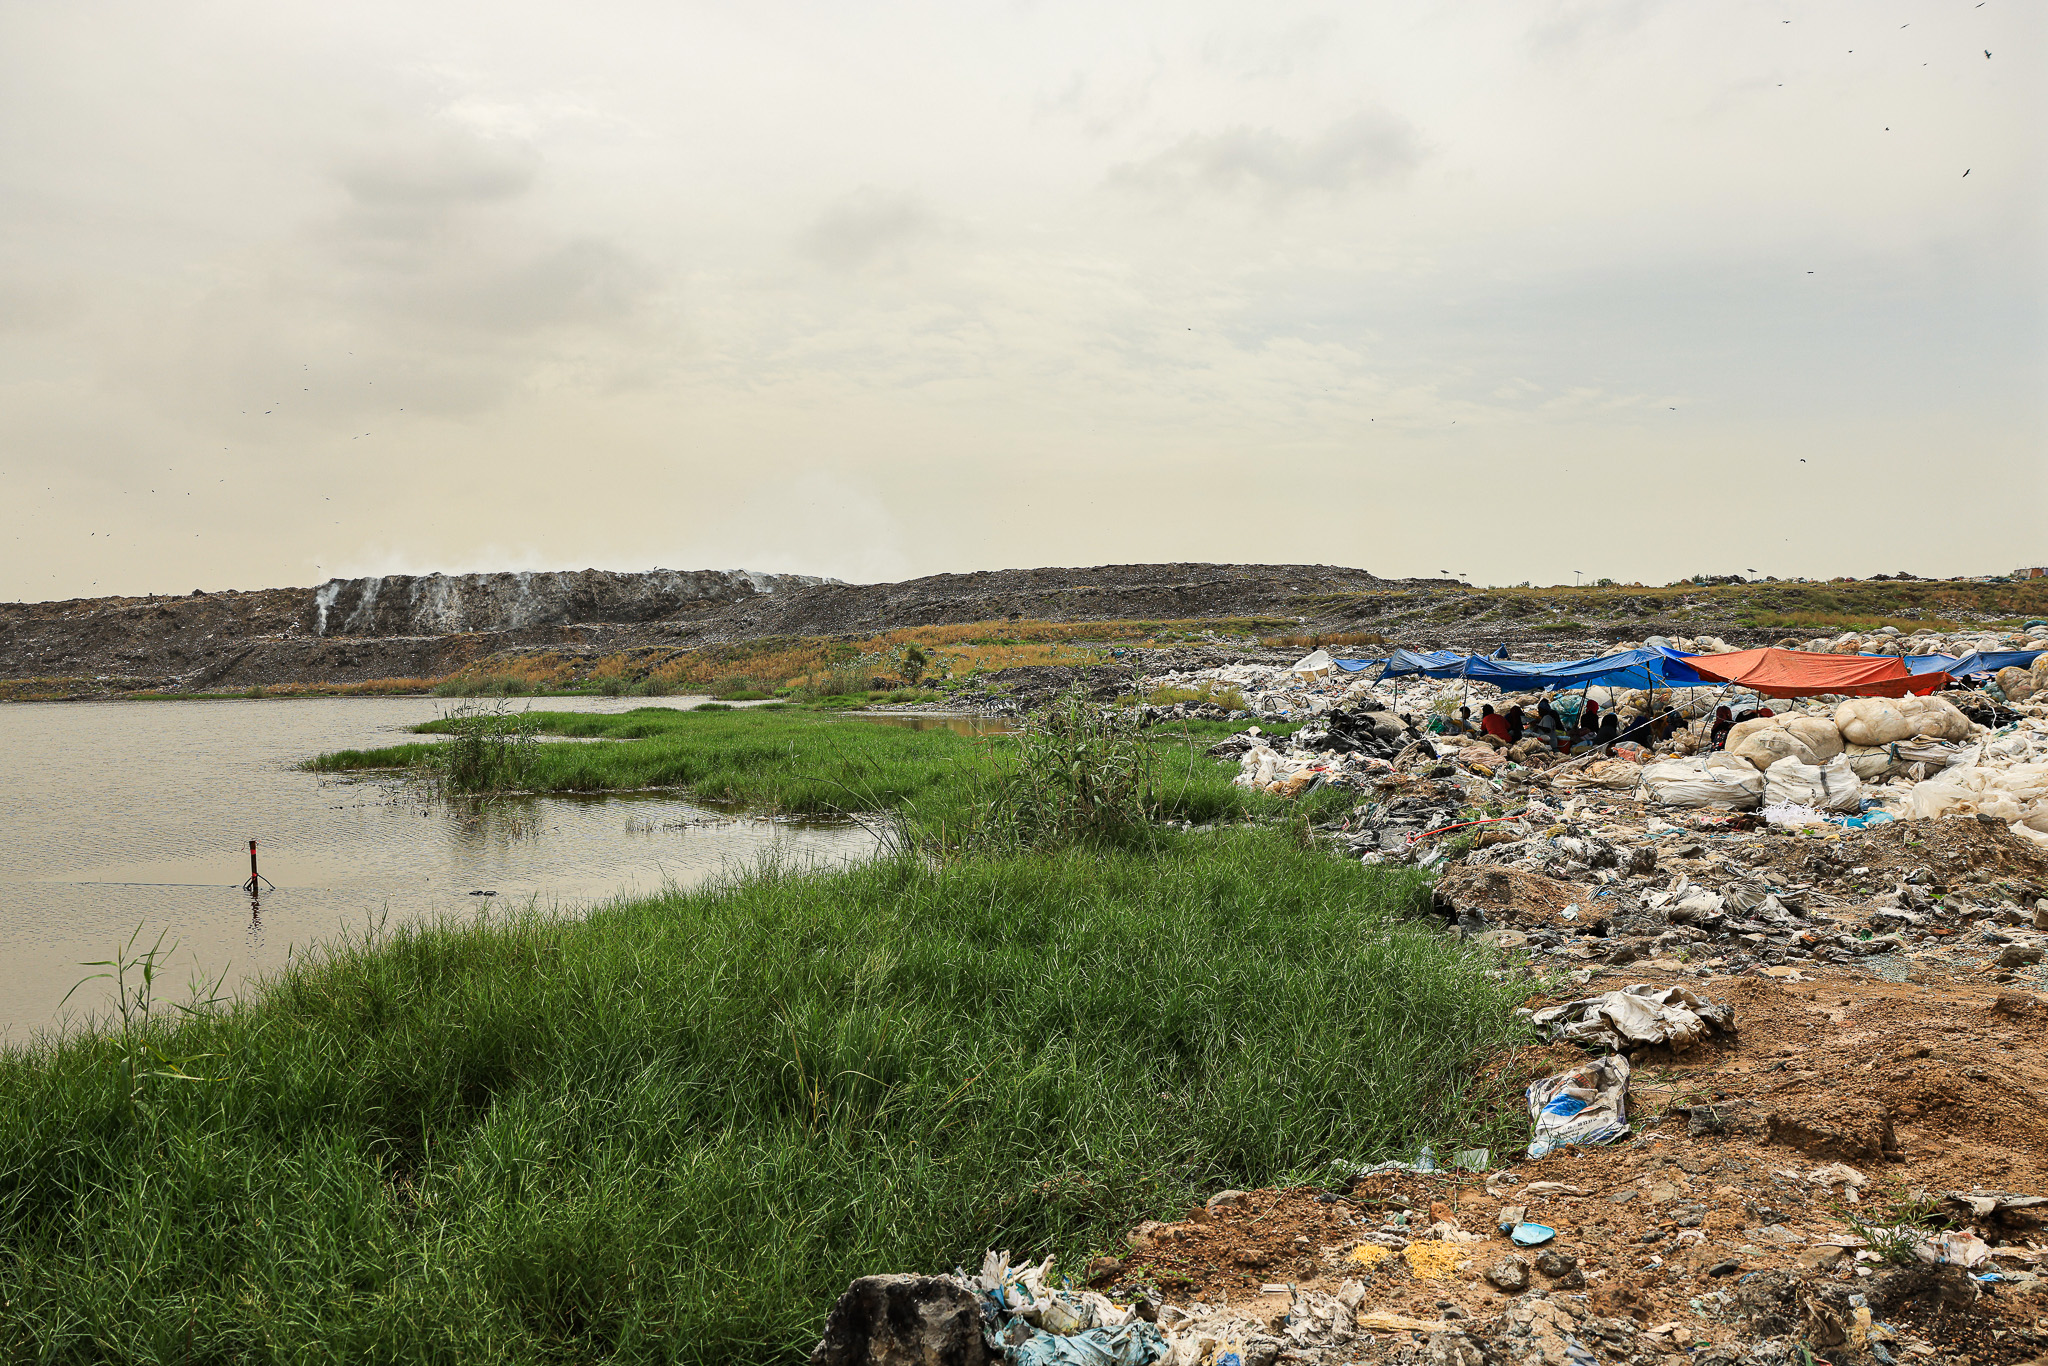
1132	1344
1588	1104
1793	816
1636	1016
1012	1289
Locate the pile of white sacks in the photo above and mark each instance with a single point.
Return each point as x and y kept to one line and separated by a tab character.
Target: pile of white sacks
1911	756
1908	756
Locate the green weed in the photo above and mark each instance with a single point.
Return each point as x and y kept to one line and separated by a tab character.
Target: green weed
675	1129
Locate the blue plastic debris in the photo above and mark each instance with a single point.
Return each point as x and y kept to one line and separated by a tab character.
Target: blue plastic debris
1532	1235
1134	1344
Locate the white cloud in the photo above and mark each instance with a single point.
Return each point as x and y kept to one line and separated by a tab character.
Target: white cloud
1368	148
879	290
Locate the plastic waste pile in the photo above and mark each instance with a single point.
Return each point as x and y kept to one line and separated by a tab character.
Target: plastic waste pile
1026	1322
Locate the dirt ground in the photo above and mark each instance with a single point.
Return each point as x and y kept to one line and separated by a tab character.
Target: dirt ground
1708	1216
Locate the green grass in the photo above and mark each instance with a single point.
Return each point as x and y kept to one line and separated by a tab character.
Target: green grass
809	763
675	1129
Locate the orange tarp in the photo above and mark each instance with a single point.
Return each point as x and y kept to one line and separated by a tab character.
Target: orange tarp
1795	673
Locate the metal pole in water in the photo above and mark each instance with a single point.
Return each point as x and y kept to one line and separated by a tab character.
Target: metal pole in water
252	866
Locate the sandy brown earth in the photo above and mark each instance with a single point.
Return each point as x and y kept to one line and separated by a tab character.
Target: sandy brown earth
1708	1217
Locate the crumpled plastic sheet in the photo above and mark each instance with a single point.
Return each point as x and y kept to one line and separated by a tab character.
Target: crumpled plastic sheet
1960	1248
1588	1105
1636	1016
1133	1344
1008	1289
1982	1204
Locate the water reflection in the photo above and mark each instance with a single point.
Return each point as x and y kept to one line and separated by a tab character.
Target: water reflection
138	813
959	723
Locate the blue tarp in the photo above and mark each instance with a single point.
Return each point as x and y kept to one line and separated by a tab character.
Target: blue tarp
1664	666
1627	669
1401	663
1981	662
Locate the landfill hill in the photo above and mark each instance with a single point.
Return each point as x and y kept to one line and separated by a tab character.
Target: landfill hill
414	630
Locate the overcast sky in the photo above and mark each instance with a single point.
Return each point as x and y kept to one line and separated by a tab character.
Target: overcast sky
291	291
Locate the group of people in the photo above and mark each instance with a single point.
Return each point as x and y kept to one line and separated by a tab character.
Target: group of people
1589	729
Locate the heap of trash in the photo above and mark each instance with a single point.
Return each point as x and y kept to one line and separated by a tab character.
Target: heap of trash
1823	828
1320	683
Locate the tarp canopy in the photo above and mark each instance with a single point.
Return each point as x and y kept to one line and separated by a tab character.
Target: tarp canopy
1626	669
1401	663
1983	662
1795	673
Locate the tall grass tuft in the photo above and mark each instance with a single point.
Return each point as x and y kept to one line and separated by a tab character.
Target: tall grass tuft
490	752
1224	695
1081	774
675	1129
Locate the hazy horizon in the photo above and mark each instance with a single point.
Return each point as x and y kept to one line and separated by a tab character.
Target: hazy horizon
1496	292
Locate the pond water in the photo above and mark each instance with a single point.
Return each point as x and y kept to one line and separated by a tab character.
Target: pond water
125	815
959	723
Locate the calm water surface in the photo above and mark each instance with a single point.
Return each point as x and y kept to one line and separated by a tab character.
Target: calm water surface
123	814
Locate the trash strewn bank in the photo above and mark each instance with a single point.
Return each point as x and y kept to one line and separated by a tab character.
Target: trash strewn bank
1786	951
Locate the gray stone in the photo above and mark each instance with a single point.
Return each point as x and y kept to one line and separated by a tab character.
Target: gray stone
903	1321
1226	1200
1453	1349
2020	955
1509	1274
1555	1263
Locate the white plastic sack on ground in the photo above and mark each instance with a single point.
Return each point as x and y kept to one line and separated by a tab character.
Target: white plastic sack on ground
2016	795
1881	720
2017	684
1763	740
1260	768
1832	786
1722	780
1636	1016
1869	762
1817	733
1588	1104
1617	774
1313	666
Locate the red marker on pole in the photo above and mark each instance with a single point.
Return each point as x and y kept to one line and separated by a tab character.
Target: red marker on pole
252	868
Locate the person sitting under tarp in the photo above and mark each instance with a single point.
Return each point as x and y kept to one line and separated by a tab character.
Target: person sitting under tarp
1724	721
1547	724
1588	722
1606	733
1494	724
1641	730
1516	725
